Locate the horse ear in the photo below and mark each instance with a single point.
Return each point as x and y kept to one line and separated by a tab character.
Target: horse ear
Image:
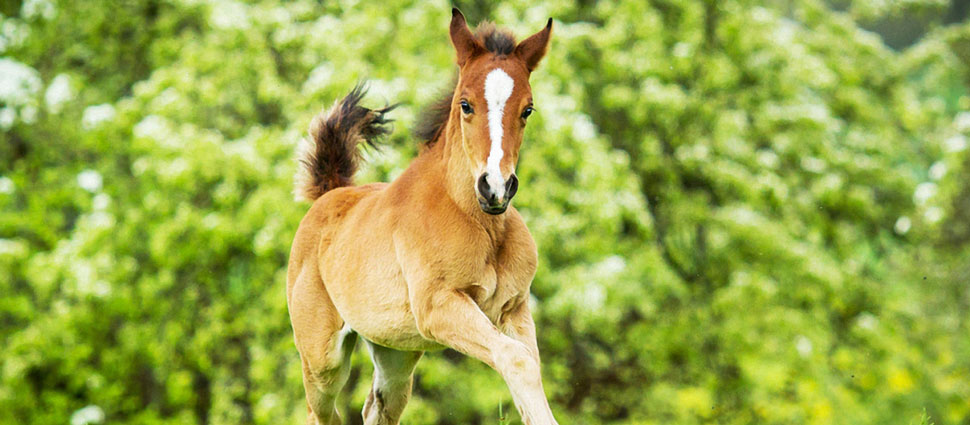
532	49
461	37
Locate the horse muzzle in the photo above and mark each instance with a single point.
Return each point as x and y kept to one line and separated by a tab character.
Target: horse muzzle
494	198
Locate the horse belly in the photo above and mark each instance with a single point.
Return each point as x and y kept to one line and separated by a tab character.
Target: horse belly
367	287
377	307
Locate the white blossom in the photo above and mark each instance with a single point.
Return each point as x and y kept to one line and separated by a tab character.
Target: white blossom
6	185
91	414
13	33
93	116
937	170
38	9
7	117
803	345
28	114
12	247
319	78
768	159
962	121
101	202
681	50
812	164
902	225
583	128
229	15
924	191
58	92
89	180
19	83
867	321
933	214
152	127
955	143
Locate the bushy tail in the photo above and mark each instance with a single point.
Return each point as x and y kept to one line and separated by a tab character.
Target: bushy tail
329	158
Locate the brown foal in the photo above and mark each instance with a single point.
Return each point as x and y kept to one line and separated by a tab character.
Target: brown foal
438	257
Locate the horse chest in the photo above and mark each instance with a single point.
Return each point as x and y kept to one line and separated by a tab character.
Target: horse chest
492	291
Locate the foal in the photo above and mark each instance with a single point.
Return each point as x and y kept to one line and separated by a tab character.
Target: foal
438	258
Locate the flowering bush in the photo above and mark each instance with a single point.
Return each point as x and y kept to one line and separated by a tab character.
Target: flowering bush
746	212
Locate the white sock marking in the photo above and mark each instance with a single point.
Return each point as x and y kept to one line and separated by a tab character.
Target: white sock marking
498	89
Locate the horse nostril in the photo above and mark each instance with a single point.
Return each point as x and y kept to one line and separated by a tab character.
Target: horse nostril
483	187
511	186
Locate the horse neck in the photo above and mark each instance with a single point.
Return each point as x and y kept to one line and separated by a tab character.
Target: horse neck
453	164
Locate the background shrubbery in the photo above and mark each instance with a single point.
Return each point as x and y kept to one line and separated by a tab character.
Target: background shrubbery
747	212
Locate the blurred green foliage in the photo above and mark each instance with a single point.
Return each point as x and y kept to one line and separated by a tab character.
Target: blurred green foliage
747	212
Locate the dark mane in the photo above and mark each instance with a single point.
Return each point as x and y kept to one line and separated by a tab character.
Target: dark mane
434	116
495	40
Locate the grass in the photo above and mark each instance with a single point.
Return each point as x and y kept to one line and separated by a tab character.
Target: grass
924	419
503	419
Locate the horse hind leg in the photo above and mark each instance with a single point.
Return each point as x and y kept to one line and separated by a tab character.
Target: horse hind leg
325	344
324	380
391	390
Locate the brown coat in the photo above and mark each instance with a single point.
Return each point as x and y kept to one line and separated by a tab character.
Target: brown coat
418	264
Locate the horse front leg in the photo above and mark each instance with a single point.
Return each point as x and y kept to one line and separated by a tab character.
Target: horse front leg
451	318
518	324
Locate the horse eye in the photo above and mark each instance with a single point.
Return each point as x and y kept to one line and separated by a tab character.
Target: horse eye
466	108
528	111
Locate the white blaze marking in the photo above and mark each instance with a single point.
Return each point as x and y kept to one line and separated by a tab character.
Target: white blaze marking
498	89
